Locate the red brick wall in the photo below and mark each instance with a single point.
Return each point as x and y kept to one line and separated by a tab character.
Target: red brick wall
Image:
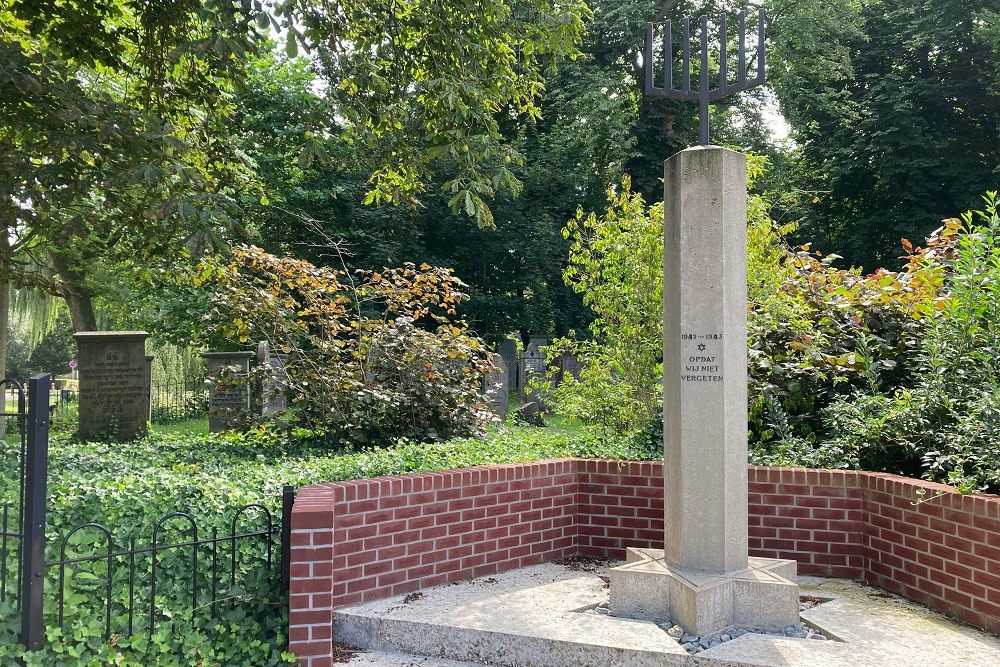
620	505
942	550
811	516
815	517
393	535
366	539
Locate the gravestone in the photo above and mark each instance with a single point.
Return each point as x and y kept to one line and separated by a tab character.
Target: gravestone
496	387
704	579
114	386
532	364
570	365
272	395
508	350
228	395
538	342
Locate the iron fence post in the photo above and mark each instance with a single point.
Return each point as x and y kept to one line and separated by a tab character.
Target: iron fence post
33	542
287	500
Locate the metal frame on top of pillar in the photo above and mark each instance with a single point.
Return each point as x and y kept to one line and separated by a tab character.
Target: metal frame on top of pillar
705	93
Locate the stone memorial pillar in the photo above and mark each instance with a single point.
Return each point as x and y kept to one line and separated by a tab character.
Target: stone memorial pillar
113	387
227	403
704	580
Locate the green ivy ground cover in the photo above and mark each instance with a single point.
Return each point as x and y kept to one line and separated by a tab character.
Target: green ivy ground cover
130	486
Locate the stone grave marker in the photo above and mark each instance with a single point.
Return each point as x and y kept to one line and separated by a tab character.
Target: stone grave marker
571	365
496	387
705	580
272	396
532	364
114	384
539	342
508	350
148	393
227	403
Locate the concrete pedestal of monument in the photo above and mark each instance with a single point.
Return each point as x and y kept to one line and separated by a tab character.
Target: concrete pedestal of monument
704	580
763	595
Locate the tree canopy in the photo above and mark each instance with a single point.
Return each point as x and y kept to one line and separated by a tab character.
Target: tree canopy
462	134
896	112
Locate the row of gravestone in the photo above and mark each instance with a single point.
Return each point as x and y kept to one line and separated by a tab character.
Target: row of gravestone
230	402
115	383
514	371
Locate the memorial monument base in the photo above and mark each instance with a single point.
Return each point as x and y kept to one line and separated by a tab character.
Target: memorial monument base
764	595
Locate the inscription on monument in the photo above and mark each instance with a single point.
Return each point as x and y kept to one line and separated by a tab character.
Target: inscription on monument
114	388
701	362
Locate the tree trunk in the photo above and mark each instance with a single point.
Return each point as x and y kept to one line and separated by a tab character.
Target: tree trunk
81	311
5	260
79	298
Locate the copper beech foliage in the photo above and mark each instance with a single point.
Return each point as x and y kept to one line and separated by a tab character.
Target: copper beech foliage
370	356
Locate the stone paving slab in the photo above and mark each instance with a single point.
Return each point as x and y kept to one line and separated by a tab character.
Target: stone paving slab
539	617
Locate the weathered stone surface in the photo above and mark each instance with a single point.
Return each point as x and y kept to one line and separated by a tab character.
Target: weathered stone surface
508	350
227	402
496	387
148	391
526	617
114	384
570	366
272	397
705	360
538	342
761	595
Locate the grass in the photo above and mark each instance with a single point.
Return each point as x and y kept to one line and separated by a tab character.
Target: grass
188	427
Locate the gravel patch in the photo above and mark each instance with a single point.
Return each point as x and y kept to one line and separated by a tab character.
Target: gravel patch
694	644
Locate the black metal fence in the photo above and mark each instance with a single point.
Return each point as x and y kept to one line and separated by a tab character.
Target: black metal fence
178	399
133	588
132	582
11	525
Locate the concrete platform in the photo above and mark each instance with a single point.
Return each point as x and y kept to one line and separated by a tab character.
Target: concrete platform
544	616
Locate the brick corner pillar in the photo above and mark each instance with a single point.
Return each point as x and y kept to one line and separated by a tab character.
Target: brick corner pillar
310	597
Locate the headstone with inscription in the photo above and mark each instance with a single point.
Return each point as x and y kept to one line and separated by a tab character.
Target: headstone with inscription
272	396
114	387
704	579
532	365
496	387
228	395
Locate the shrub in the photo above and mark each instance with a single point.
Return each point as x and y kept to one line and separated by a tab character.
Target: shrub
615	263
924	344
948	424
370	356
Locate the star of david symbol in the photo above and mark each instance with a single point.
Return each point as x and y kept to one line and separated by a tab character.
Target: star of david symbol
701	347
